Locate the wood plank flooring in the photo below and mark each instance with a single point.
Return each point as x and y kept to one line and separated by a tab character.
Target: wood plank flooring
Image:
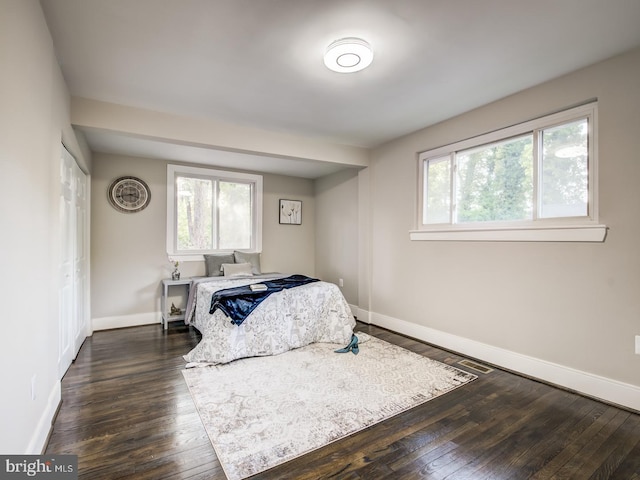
127	413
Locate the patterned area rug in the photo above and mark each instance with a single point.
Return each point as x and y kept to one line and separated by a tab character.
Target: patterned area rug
261	412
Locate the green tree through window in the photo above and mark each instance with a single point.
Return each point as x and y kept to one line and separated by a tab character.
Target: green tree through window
212	211
494	182
534	171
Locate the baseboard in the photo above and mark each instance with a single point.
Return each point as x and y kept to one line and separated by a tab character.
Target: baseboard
361	314
107	323
606	389
40	436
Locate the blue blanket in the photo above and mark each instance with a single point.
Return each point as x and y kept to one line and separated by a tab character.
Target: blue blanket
238	302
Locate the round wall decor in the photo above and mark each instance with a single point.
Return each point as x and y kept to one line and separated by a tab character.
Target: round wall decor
129	194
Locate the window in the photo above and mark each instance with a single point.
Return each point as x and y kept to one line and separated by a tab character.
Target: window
538	176
212	211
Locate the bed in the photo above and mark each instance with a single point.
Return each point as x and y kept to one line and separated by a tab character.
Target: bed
286	319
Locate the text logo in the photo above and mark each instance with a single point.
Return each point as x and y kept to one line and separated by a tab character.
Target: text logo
50	467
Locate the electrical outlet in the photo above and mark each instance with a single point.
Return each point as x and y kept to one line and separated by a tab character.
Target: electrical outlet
637	344
340	282
33	387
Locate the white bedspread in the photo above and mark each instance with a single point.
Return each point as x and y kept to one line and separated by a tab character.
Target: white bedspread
291	318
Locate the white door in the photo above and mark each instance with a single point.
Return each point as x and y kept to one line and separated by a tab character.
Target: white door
67	264
80	261
73	260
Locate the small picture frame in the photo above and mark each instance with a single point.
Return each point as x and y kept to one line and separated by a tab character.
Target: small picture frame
290	212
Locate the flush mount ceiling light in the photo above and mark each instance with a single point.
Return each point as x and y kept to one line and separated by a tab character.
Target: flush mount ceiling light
348	55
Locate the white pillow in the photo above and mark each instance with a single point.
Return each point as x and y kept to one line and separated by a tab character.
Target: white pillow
236	269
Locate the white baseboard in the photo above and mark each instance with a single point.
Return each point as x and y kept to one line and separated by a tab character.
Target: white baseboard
39	438
361	314
606	389
106	323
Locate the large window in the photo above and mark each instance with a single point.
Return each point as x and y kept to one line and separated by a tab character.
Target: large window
535	175
212	211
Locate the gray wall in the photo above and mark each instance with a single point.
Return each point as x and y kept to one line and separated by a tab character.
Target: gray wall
337	231
567	313
128	251
574	305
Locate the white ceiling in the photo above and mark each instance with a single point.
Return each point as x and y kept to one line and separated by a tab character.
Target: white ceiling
258	63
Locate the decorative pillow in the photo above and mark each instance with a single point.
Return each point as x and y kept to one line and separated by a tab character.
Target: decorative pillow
213	263
252	258
236	269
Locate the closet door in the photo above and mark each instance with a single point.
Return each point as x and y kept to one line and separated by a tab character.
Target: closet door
73	260
81	261
67	318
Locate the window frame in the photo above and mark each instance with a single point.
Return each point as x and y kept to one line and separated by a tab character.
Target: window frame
585	228
174	171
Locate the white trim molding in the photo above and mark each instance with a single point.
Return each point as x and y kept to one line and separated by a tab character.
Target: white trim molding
603	388
362	315
38	441
555	233
120	321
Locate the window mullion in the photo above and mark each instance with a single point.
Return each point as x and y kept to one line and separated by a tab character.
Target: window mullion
215	213
423	176
454	186
176	206
537	171
592	210
254	226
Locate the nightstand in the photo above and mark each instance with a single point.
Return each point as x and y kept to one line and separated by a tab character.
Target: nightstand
166	284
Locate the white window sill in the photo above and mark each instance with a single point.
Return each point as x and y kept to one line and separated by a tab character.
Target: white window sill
556	233
199	257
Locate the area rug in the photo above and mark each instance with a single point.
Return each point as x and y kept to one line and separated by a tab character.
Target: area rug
261	412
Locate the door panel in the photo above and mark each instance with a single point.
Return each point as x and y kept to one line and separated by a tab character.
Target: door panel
67	248
80	261
73	260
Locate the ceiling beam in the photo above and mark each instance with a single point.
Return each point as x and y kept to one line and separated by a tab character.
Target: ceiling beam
208	133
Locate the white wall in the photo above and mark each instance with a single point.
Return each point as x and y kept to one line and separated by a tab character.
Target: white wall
128	251
34	120
567	312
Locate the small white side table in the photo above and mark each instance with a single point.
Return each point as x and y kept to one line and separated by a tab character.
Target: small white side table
166	283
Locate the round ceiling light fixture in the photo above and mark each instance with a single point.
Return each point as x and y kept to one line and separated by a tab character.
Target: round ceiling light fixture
348	55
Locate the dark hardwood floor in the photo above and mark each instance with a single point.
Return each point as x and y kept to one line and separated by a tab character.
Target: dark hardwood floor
127	413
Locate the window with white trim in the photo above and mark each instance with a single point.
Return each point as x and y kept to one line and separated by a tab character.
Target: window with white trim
212	211
537	175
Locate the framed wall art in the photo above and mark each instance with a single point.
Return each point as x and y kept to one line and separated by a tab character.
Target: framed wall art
290	212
